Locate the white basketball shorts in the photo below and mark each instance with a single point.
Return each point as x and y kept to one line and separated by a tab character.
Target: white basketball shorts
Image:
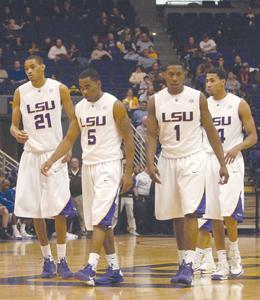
39	196
100	189
228	199
182	186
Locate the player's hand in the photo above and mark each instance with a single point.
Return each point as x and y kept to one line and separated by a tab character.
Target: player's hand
67	157
46	167
21	136
223	173
126	182
231	155
154	174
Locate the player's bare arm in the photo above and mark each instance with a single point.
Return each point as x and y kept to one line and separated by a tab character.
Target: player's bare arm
249	127
69	110
124	127
151	141
213	138
20	135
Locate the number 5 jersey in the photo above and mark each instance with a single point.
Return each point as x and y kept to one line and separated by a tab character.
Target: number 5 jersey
41	115
100	139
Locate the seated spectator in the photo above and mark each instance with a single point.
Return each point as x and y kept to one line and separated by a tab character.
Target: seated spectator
131	55
18	44
207	45
139	113
221	63
58	51
17	75
117	19
232	85
160	84
191	50
155	71
3	75
47	44
256	76
147	94
250	17
244	74
201	72
137	76
112	46
130	101
99	53
145	60
152	53
28	17
142	129
34	49
237	66
144	85
143	42
12	25
2	57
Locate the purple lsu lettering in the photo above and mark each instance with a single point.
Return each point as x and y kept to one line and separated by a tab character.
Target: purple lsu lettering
177	116
221	121
40	106
93	121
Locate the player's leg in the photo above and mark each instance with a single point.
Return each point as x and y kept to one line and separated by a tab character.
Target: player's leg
16	232
129	207
61	230
49	267
114	273
178	227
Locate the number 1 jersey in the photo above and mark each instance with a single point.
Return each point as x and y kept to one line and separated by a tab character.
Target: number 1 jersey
41	115
100	139
178	116
225	116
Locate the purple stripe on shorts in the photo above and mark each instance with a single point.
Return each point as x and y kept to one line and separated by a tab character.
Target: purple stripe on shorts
107	221
238	213
202	206
69	210
207	226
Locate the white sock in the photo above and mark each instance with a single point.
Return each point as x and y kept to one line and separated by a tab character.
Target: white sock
199	252
93	260
61	251
46	252
208	253
112	261
15	229
233	245
189	256
22	227
222	255
180	256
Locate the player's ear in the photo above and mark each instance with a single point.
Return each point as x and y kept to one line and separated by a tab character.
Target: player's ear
43	67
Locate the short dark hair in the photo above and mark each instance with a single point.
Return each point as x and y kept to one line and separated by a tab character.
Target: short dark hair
219	72
91	73
36	57
174	63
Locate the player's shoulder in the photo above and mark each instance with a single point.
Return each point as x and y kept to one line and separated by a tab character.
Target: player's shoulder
80	105
53	82
25	86
189	90
109	97
160	93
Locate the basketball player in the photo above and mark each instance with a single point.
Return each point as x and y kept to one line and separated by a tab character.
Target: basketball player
39	103
178	114
103	122
230	115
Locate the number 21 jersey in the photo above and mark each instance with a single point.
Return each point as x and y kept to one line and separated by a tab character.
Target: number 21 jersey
41	115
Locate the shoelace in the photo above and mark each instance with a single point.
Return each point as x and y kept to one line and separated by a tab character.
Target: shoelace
187	268
64	264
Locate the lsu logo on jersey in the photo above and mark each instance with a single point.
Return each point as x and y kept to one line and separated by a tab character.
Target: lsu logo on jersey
177	116
221	121
93	121
40	106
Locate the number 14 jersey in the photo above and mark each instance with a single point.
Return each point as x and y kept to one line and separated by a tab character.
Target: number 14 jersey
100	139
226	119
41	115
178	116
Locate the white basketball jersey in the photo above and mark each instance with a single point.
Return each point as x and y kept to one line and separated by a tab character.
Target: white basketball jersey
41	115
178	116
100	139
225	116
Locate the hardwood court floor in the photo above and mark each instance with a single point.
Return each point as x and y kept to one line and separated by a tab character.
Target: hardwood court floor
147	262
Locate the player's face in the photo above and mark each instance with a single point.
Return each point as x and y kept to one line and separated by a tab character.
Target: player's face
34	70
90	89
174	77
214	84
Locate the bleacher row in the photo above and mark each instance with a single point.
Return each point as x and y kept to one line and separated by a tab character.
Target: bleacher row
76	26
